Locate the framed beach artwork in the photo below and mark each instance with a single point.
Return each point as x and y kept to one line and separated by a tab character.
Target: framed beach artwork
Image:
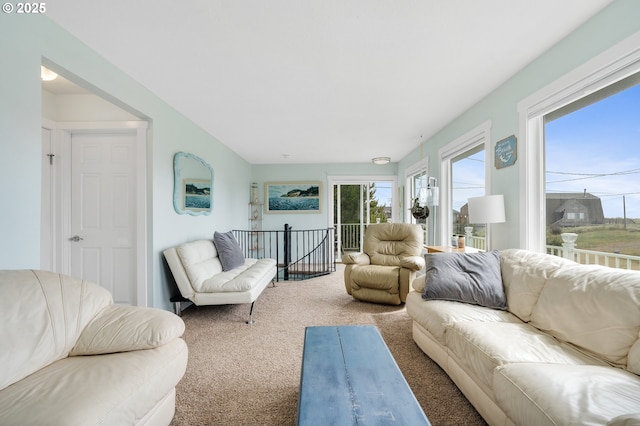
293	197
197	195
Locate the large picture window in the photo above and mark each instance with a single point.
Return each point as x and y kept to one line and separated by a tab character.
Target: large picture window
592	168
572	152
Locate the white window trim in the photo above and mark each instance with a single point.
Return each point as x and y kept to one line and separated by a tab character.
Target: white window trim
477	136
615	64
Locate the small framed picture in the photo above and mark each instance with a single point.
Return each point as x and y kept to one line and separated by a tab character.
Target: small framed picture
197	194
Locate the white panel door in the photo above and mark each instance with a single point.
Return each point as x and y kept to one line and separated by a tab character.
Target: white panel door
103	216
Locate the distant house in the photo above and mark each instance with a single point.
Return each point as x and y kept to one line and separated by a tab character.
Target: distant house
574	209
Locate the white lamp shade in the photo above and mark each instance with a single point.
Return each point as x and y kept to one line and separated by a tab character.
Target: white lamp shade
487	209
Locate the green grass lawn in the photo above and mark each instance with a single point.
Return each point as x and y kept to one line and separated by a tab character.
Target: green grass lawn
607	238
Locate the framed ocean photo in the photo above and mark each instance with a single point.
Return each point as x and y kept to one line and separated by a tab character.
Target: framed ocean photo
293	197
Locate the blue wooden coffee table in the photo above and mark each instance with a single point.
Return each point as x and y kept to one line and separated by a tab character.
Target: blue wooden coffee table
349	377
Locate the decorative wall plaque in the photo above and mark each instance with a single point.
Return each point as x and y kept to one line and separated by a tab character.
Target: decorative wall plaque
506	152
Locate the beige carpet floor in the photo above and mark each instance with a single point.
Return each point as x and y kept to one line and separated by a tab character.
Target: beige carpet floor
241	374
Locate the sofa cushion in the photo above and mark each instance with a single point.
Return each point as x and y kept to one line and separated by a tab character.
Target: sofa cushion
242	278
465	277
439	315
632	419
45	326
524	274
229	250
146	328
376	277
482	346
556	394
593	307
114	389
199	260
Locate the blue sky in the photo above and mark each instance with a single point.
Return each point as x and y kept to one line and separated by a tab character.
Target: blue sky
468	179
597	148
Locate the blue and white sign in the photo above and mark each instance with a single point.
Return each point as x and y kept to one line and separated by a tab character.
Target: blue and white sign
506	152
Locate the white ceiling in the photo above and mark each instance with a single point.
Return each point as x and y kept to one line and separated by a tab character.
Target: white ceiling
321	81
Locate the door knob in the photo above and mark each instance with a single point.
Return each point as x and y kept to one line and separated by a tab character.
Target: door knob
76	238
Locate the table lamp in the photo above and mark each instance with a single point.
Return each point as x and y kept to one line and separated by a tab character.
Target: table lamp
487	209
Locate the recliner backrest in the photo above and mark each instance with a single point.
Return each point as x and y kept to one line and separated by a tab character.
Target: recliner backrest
387	243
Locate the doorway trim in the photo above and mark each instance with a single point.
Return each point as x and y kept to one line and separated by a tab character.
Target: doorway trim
62	134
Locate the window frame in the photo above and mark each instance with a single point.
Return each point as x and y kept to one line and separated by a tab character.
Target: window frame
611	66
477	136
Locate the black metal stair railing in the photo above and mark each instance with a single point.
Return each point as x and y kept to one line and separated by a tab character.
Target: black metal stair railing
300	254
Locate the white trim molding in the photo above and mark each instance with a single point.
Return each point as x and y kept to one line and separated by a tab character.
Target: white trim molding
611	66
63	132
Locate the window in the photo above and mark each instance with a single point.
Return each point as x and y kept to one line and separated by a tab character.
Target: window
591	170
418	185
468	180
602	72
463	174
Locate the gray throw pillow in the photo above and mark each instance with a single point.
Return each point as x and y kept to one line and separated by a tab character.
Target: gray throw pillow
473	278
229	251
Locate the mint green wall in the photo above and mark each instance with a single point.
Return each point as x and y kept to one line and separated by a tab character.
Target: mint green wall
310	172
612	25
24	42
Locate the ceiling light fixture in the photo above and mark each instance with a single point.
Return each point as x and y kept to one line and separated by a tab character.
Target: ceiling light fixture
380	160
46	74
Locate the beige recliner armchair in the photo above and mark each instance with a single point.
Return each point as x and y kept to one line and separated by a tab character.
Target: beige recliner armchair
383	272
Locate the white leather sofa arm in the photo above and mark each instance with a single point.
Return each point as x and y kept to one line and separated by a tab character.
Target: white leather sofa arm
414	263
356	258
127	328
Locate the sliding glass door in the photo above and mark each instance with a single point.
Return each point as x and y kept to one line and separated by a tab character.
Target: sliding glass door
357	204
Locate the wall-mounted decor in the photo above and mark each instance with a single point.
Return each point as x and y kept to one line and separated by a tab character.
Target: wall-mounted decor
193	185
506	152
293	197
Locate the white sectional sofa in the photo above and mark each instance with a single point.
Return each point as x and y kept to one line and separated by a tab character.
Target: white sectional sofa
565	351
69	356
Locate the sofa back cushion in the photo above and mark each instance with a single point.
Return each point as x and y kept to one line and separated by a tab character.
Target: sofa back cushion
387	243
524	275
593	307
200	261
42	315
